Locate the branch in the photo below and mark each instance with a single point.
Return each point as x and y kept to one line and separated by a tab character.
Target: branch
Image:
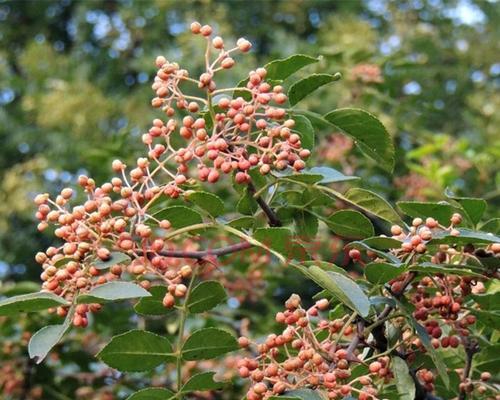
201	254
471	348
270	214
360	336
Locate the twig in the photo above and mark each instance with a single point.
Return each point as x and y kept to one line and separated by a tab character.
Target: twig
270	214
471	348
201	254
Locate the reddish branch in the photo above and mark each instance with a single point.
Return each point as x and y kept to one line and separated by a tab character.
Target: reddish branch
201	254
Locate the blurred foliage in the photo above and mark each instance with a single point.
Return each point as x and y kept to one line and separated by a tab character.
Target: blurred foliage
75	77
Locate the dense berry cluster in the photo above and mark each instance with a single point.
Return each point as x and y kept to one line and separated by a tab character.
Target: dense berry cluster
223	135
311	351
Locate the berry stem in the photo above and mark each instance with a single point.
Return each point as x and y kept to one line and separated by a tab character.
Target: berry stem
180	337
201	254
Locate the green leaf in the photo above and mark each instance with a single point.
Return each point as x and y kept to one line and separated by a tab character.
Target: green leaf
136	350
245	94
246	222
202	382
350	224
441	211
473	208
179	216
247	205
17	288
325	265
374	204
208	343
113	291
115	258
207	201
306	223
283	68
303	176
382	243
30	302
492	226
329	175
342	287
45	339
368	132
281	240
153	305
152	394
466	236
435	356
379	273
316	119
206	296
305	130
404	381
383	254
488	359
488	301
488	318
432	269
306	86
301	394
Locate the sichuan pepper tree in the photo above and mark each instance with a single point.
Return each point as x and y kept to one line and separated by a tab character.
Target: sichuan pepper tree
415	318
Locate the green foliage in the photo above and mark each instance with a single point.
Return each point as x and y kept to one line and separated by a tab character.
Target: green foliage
79	100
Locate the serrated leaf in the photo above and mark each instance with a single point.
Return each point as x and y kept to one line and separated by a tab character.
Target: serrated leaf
115	258
350	224
30	302
492	226
18	288
246	222
304	177
247	205
379	273
153	305
306	86
45	339
208	343
466	236
179	216
280	239
306	223
382	254
473	208
368	132
283	68
207	201
432	269
152	394
382	243
342	287
440	211
301	394
136	350
330	175
404	381
206	296
305	130
374	204
113	291
202	382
